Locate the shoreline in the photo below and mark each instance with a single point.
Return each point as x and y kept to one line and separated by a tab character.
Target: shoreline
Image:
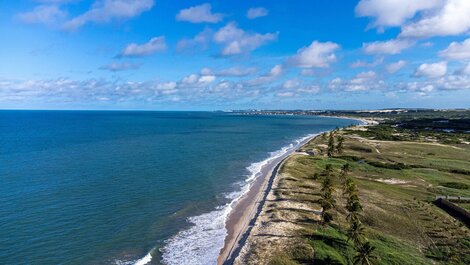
246	210
248	207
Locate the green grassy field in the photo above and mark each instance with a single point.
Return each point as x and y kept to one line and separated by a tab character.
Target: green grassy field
397	183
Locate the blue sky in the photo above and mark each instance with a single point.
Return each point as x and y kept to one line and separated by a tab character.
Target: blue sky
211	55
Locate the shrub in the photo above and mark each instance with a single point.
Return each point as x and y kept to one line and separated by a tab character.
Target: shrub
455	185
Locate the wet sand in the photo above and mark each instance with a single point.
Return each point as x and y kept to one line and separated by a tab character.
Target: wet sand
246	210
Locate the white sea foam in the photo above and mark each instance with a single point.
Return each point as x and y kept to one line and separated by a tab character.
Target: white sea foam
201	243
144	260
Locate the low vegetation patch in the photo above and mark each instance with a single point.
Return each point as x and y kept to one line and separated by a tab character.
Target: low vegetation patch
456	185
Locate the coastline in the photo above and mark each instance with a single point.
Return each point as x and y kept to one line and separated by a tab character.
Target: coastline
247	209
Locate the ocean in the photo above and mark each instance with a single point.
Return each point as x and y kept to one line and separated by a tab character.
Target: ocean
130	187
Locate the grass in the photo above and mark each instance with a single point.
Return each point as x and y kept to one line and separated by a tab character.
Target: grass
397	182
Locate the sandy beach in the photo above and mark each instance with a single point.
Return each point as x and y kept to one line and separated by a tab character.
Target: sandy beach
245	212
247	209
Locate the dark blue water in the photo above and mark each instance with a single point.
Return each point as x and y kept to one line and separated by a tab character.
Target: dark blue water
87	187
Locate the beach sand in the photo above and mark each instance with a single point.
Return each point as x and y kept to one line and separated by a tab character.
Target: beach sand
245	212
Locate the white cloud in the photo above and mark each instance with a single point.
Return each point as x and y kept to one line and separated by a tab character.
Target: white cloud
285	94
393	12
272	75
433	70
43	14
103	11
238	41
312	89
387	47
154	45
199	14
457	51
448	82
360	63
195	80
363	81
395	67
450	19
256	12
317	54
200	41
308	72
115	66
230	72
291	83
464	70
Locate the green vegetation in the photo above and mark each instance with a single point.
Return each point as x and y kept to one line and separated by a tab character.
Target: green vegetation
456	185
375	193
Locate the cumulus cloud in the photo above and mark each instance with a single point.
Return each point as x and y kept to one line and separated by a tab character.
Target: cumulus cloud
237	41
393	12
457	50
296	87
195	80
291	83
103	11
464	70
317	54
363	81
395	67
360	63
432	70
199	14
198	42
450	19
447	82
268	77
387	47
116	66
256	12
154	45
192	88
230	72
43	14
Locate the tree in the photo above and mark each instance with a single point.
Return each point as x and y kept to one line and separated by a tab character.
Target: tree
356	232
349	187
327	201
353	206
328	170
344	171
331	145
365	254
339	146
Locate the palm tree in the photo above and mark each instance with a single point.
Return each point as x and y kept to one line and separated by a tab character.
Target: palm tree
349	187
354	207
328	170
344	172
331	145
356	232
339	146
345	169
327	201
365	255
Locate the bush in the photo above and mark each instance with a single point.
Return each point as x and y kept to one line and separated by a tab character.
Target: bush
396	166
455	185
282	260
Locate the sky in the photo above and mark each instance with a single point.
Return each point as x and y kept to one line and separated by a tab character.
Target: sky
232	54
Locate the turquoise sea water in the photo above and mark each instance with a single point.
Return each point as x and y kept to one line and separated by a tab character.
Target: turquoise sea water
88	187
